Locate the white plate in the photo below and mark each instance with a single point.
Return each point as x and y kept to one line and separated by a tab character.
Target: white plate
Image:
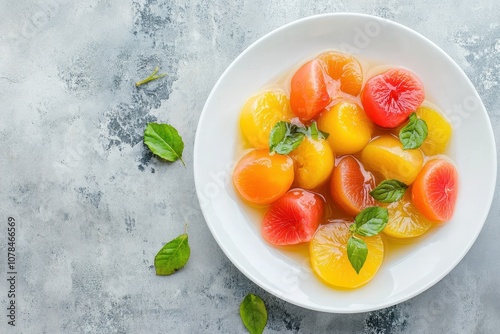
410	270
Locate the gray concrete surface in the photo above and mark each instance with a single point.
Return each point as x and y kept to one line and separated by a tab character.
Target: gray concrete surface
93	206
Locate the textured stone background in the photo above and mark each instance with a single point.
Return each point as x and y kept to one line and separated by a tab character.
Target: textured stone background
93	206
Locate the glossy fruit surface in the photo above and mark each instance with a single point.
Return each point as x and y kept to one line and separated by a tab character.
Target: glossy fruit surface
308	91
386	156
405	221
293	218
262	178
435	190
314	161
328	253
350	186
439	131
260	113
349	127
344	68
390	97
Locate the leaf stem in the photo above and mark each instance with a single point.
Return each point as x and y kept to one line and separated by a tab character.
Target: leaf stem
352	228
152	77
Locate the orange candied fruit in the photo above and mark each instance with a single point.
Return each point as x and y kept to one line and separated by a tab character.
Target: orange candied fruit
346	69
261	178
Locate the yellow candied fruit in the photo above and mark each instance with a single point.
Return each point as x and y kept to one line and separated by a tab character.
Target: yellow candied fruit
386	156
405	221
349	127
328	252
439	131
260	113
313	161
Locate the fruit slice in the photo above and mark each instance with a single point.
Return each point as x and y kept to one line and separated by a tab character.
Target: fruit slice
261	178
439	131
346	69
389	98
435	190
348	125
385	155
314	161
350	186
328	252
405	221
260	113
293	218
308	91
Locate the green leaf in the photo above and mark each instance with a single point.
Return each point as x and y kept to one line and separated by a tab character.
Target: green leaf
389	191
290	143
357	251
284	138
371	221
164	141
313	132
323	135
173	256
253	314
413	134
278	133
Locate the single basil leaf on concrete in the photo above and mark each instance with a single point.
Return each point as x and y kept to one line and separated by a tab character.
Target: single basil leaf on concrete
357	251
371	221
389	191
173	256
253	314
284	138
164	141
413	134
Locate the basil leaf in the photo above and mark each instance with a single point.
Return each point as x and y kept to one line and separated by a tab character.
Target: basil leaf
413	134
284	138
357	251
164	141
323	135
173	256
371	221
278	133
313	132
253	313
290	143
389	191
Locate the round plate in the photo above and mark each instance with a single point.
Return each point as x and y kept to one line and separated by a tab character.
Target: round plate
410	269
